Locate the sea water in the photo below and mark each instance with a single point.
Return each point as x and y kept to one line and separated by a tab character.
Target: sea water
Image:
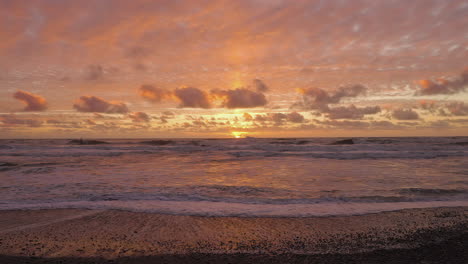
236	177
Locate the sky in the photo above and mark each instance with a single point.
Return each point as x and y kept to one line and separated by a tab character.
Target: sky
223	68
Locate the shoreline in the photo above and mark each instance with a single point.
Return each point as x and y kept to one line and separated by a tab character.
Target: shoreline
92	236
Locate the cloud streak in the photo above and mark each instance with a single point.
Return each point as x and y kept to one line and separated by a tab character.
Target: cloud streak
12	120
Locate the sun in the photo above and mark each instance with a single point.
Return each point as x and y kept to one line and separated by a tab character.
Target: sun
237	134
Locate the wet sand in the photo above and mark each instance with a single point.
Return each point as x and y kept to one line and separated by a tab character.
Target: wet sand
437	235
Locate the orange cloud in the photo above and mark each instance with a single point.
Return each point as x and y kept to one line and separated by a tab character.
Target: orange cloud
153	94
32	101
444	86
98	105
247	117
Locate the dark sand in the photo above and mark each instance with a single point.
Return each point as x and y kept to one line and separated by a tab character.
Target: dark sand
438	235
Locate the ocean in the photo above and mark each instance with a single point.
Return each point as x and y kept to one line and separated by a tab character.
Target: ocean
271	177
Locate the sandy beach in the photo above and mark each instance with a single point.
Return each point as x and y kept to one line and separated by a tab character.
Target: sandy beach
437	235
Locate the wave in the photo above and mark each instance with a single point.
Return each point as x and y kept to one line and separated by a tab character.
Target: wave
291	142
235	209
322	148
225	194
354	155
255	153
6	166
423	191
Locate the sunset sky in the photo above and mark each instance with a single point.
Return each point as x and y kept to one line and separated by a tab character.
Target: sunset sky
263	68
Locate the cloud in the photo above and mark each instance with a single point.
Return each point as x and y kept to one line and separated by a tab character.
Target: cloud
261	118
240	98
405	114
53	121
384	125
98	105
192	97
428	105
197	98
439	124
90	122
153	94
317	98
168	113
139	117
277	118
458	108
187	96
12	120
295	117
351	112
94	72
140	67
247	117
345	124
137	52
32	101
260	86
444	86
